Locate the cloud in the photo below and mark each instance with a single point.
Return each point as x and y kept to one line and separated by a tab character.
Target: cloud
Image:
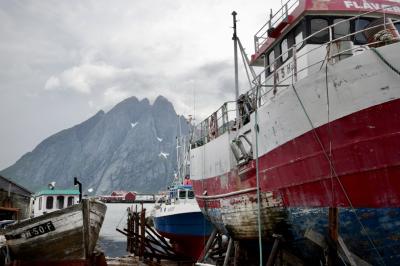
52	83
87	77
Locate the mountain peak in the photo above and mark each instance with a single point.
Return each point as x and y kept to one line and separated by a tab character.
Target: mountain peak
109	151
160	99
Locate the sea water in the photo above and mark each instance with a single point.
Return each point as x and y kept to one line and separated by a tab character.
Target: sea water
112	242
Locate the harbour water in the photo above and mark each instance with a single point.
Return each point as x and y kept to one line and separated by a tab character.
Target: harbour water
112	242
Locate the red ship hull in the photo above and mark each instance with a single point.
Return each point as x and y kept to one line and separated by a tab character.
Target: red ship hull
364	150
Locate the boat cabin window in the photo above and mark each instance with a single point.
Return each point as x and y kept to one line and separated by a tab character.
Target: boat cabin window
271	59
299	36
49	203
317	24
360	24
284	49
60	202
182	194
341	29
40	203
190	194
397	25
70	201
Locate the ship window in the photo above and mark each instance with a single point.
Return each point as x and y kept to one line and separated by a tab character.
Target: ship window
60	202
190	194
70	201
360	25
341	29
182	194
284	50
397	25
40	203
316	25
49	203
298	37
271	61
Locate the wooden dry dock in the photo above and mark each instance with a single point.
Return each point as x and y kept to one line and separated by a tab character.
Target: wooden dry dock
146	244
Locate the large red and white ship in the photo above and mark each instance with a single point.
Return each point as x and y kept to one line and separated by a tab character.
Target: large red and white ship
316	136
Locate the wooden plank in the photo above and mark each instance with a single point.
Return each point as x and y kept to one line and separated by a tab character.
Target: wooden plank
86	231
210	240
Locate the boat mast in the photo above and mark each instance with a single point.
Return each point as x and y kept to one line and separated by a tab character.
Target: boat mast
235	44
178	154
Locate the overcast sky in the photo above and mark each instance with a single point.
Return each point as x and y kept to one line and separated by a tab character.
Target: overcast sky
62	61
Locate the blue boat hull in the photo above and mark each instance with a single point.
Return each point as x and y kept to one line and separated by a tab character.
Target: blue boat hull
184	224
187	232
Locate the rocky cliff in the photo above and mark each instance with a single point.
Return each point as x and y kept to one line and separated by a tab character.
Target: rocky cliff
131	147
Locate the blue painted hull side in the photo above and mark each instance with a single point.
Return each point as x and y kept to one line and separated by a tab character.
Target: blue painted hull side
373	234
184	224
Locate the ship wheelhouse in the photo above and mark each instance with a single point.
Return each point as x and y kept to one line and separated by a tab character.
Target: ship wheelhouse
50	200
180	193
303	35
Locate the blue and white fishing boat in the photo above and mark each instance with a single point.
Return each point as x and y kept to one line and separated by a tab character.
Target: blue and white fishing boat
177	216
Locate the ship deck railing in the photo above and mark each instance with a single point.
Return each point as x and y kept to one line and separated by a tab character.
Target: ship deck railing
261	35
265	86
266	83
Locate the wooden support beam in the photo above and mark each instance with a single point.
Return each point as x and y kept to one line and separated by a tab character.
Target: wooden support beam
210	240
228	251
237	253
142	231
346	252
136	232
274	251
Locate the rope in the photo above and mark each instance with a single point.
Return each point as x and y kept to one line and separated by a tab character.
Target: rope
329	130
123	216
258	184
332	168
385	61
245	67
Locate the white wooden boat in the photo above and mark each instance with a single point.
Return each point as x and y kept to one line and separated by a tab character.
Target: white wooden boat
59	237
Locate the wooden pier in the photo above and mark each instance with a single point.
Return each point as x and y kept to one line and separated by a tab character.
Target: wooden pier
148	246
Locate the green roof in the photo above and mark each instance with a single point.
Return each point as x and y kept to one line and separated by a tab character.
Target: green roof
57	192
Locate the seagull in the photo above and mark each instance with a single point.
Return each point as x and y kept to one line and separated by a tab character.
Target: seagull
163	154
159	139
134	124
90	190
52	185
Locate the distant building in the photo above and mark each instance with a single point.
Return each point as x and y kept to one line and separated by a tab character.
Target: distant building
15	200
119	196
